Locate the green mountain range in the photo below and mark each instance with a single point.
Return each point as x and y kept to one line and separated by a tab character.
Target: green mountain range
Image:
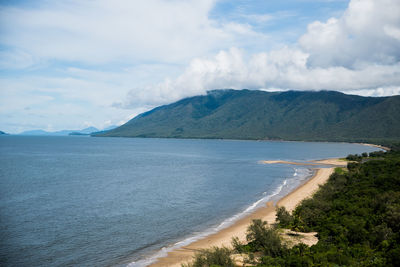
290	115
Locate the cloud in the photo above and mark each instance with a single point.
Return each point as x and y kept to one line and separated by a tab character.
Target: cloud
65	56
123	31
15	59
356	53
284	69
65	100
368	32
257	18
101	61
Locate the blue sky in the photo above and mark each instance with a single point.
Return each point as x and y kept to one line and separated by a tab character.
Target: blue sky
71	64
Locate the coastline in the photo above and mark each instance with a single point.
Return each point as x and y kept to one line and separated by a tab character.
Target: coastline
377	146
223	237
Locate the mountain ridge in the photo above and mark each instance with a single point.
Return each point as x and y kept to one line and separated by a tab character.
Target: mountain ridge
260	115
87	131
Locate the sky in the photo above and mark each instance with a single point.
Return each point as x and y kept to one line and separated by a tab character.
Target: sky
71	64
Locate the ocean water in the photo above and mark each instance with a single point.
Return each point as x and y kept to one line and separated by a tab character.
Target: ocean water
81	201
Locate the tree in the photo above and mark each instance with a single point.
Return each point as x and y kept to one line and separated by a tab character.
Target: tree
212	257
264	238
283	217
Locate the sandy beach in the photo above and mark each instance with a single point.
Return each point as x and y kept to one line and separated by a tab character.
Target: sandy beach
333	162
267	213
378	146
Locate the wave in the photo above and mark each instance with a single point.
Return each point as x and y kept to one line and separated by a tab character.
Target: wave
287	185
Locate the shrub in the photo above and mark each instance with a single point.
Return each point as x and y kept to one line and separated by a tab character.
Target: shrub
265	239
269	261
353	166
212	258
376	154
283	217
355	157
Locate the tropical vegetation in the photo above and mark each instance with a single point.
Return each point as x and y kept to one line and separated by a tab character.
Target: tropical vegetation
356	215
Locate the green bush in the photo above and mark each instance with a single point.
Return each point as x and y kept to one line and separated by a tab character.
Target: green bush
213	257
263	238
354	157
376	154
283	217
269	261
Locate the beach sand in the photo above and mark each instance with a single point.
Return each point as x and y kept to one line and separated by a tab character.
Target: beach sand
334	162
288	162
378	146
267	213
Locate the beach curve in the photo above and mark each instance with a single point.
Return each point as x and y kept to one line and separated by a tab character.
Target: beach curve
267	213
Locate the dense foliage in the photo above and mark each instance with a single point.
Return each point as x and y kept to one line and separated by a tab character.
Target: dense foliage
212	257
283	217
251	114
264	239
356	214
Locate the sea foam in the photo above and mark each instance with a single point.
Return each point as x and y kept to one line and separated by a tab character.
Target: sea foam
299	175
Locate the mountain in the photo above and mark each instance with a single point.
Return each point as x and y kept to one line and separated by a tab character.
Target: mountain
3	133
89	130
251	114
42	132
85	131
103	131
110	128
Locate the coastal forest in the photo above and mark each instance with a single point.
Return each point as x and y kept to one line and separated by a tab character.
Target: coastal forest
356	215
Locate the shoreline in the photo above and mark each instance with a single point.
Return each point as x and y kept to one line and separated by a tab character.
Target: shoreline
377	146
223	237
332	162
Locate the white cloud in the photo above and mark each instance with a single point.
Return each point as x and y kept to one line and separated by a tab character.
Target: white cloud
101	61
259	18
69	55
356	53
267	18
380	91
64	101
100	32
15	59
284	69
368	31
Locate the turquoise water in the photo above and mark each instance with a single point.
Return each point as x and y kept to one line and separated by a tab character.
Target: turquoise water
116	201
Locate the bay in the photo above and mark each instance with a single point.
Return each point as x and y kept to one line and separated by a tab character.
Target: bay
111	201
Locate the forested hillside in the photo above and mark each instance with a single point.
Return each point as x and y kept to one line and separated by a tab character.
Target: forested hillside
291	115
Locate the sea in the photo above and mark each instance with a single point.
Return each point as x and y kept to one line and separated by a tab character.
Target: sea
84	201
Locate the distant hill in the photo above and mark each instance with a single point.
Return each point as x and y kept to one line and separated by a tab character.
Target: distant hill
3	133
105	130
290	115
42	132
85	131
89	130
110	128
